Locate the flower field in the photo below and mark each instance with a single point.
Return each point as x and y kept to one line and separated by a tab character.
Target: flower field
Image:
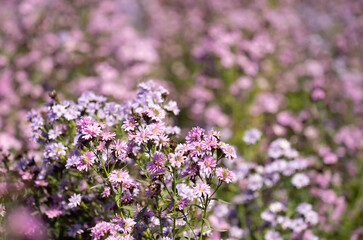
193	119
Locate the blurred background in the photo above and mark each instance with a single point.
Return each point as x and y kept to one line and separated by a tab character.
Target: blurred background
291	68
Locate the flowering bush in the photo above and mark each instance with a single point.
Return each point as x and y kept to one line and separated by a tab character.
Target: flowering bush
119	169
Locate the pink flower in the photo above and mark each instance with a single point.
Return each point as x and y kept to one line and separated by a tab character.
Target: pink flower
107	136
207	165
86	161
119	149
229	151
121	177
224	175
201	189
177	159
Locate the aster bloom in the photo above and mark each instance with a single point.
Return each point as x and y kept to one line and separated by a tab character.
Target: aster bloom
53	212
119	149
75	230
106	192
210	142
300	180
195	135
252	135
272	235
121	177
72	161
224	175
177	159
156	129
156	113
89	128
201	189
102	230
142	136
2	210
55	132
228	151
172	106
75	200
129	125
127	225
255	182
108	136
207	165
86	161
54	150
100	146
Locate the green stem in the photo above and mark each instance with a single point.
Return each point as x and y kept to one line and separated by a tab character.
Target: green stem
204	215
174	202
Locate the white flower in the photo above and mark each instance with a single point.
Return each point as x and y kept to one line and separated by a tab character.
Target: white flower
75	200
252	135
300	180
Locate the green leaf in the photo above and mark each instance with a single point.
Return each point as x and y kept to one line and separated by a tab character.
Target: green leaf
220	200
198	206
128	208
216	229
142	181
182	179
96	186
140	214
207	222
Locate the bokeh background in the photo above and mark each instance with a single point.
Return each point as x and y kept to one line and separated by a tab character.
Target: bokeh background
291	68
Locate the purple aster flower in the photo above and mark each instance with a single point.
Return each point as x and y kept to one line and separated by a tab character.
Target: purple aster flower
185	191
75	230
127	225
53	212
156	129
224	175
207	165
156	113
210	142
107	136
72	161
101	145
272	235
229	151
298	225
55	132
35	119
119	149
172	106
195	135
72	112
142	136
129	125
102	230
2	210
58	111
172	130
86	161
54	150
254	182
122	177
89	128
177	159
277	207
252	136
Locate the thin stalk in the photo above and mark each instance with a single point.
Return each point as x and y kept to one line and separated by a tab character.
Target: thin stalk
174	202
204	215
